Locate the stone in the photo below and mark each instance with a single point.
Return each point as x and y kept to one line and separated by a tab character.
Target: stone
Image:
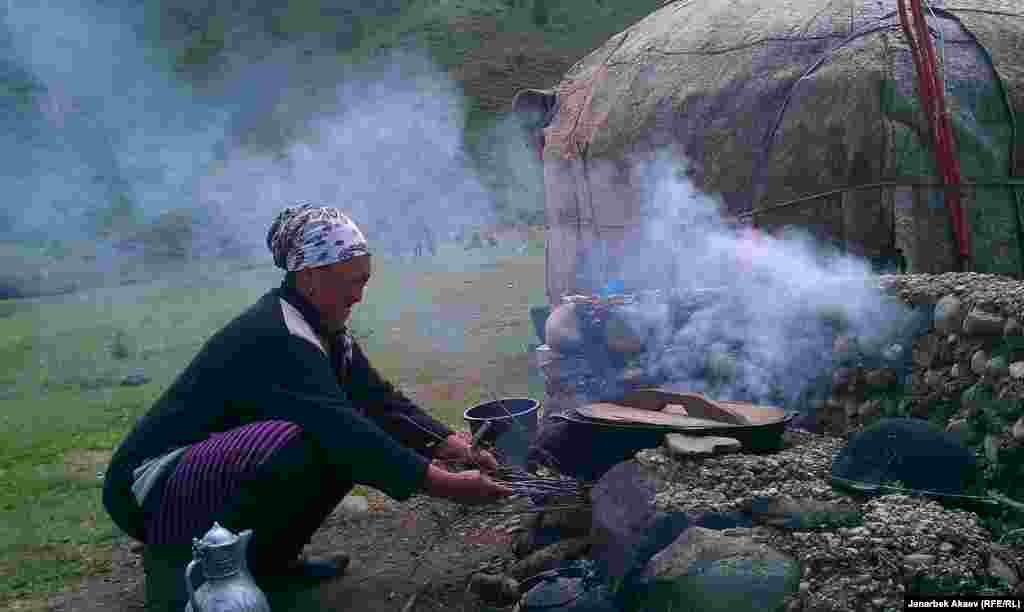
1018	430
919	559
1016	370
946	547
806	514
354	505
997	568
625	518
549	557
683	446
997	368
869	408
704	570
948	314
933	379
925	350
979	362
1013	328
851	407
948	350
981	323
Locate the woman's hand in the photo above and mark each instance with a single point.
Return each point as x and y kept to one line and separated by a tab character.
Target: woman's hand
457	447
471	487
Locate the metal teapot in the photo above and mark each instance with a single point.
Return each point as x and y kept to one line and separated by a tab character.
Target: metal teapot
229	586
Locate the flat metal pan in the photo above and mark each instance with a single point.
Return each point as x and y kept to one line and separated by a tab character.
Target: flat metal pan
618	414
760	437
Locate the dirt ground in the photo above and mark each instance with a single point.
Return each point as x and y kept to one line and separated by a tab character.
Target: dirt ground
396	549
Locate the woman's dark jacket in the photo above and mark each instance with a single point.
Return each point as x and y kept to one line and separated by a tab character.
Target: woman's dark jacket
272	362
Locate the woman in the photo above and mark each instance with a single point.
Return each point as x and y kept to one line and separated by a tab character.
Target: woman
276	419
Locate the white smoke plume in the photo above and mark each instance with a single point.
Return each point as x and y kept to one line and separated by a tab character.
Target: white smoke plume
761	315
109	121
386	146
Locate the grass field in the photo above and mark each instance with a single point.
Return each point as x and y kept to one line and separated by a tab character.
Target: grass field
451	330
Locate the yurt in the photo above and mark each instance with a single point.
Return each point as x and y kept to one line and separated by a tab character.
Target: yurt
878	125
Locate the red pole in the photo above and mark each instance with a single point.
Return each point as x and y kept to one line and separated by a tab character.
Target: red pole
930	92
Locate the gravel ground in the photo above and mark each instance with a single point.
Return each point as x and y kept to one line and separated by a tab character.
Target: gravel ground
903	539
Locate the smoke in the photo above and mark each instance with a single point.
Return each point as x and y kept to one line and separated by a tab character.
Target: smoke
116	149
760	316
386	146
103	123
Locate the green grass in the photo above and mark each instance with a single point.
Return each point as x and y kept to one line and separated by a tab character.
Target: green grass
450	330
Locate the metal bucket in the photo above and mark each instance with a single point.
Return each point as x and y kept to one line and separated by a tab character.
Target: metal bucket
508	424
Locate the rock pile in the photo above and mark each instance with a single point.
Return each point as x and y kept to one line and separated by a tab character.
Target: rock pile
866	564
958	362
963	368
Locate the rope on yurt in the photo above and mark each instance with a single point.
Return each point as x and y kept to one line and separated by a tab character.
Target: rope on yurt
1009	182
770	136
984	12
1017	203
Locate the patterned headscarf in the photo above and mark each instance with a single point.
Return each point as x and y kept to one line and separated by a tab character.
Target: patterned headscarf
307	236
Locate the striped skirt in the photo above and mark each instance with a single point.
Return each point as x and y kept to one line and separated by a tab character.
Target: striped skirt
210	477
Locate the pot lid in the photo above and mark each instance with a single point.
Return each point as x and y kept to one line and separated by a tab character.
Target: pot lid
218	536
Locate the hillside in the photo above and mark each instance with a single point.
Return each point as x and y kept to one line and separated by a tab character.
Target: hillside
491	47
121	110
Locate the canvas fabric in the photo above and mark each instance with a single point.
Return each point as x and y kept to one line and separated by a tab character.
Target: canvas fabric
769	103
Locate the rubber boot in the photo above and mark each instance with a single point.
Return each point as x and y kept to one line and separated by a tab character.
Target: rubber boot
164	567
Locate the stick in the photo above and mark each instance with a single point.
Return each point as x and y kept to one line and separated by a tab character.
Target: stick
480	433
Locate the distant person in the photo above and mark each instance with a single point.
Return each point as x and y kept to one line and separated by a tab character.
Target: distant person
276	419
428	238
424	241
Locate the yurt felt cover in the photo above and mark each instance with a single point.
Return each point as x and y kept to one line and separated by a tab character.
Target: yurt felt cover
774	101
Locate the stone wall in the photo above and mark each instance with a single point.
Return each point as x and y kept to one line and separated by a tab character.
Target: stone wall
962	368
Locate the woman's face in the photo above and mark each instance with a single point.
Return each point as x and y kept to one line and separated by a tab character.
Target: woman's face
336	288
